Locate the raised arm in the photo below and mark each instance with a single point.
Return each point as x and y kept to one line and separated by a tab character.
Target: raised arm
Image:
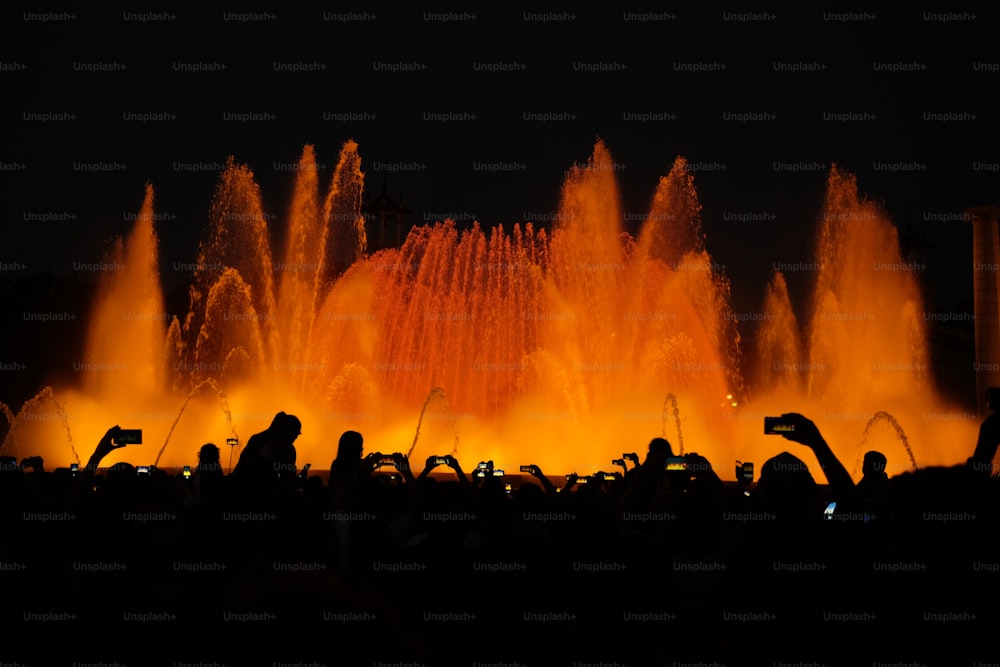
454	465
806	433
546	483
105	446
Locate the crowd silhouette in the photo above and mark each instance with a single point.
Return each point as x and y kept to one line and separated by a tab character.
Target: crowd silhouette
658	562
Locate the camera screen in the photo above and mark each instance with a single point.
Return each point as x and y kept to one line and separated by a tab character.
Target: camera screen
129	436
676	463
775	425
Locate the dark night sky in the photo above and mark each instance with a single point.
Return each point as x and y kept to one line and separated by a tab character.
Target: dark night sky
948	65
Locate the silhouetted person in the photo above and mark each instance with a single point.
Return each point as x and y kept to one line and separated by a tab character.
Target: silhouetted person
874	479
208	476
647	482
208	458
787	489
989	436
349	450
872	491
659	451
268	460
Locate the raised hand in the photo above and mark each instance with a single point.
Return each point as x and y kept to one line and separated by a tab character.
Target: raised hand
805	431
106	445
571	479
109	441
401	462
370	462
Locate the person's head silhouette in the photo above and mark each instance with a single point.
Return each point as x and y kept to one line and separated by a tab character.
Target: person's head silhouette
786	487
660	447
279	445
874	464
350	447
208	456
285	427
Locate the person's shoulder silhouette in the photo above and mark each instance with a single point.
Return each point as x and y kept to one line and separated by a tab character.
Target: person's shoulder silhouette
269	456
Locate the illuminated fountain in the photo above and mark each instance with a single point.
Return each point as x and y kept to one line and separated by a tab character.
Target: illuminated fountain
553	347
864	351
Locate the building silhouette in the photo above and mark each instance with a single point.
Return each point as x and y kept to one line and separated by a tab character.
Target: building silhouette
386	223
